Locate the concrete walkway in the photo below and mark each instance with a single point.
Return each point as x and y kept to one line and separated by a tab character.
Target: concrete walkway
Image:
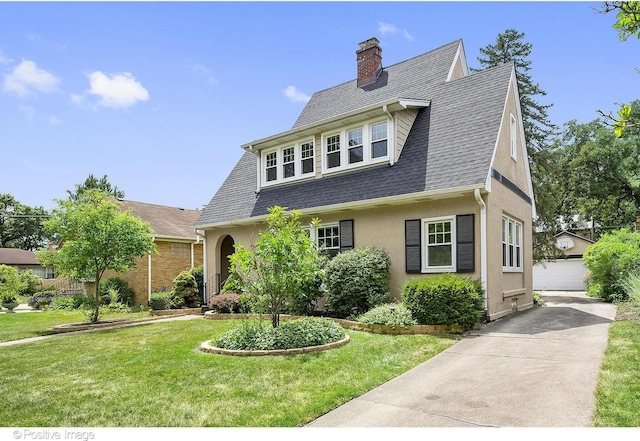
536	368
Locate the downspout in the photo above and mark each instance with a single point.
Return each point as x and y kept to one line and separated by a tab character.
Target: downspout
205	273
149	277
483	244
390	136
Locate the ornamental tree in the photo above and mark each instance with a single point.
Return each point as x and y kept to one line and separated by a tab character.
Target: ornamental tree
285	261
96	235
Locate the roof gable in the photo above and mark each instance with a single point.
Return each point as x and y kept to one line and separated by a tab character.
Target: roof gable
16	256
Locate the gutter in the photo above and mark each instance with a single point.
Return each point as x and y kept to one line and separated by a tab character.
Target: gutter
483	244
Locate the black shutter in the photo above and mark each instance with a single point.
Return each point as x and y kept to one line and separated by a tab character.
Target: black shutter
465	246
346	235
413	245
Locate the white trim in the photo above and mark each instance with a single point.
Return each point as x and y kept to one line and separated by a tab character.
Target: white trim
459	54
279	151
323	226
483	246
425	248
389	200
513	145
148	277
518	245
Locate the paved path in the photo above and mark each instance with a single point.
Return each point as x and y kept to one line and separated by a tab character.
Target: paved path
536	368
115	326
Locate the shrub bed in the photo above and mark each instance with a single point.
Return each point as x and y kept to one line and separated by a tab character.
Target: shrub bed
390	314
225	303
261	336
444	300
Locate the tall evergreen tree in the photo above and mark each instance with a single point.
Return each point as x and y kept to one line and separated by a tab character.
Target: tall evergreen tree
538	132
92	182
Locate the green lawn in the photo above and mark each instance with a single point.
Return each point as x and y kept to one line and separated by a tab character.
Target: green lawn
152	376
33	324
618	390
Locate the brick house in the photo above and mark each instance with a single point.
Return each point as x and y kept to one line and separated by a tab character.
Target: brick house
421	159
179	248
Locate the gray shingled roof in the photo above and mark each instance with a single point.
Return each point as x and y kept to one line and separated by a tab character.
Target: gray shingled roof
450	144
16	256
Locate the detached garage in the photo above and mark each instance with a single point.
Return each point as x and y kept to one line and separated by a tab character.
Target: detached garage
568	272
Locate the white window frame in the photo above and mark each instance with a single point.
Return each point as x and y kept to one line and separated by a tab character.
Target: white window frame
297	163
367	147
425	245
316	236
512	255
512	137
386	139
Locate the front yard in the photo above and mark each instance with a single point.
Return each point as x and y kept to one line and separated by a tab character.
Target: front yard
151	376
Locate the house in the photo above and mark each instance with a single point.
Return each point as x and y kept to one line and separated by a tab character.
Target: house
567	272
24	260
179	248
420	159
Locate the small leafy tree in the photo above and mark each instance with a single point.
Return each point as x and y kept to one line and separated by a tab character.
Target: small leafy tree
285	260
29	283
9	283
96	235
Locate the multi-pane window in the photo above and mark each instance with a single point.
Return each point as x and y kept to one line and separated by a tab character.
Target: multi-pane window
328	238
179	249
379	140
306	151
511	244
333	151
288	162
272	166
439	243
354	138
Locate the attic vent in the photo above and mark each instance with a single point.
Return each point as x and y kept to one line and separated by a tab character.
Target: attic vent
369	60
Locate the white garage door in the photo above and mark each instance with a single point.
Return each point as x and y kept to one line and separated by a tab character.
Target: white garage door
561	275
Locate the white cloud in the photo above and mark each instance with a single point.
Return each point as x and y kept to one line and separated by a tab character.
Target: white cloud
203	71
26	79
294	95
4	59
54	121
387	28
115	90
28	111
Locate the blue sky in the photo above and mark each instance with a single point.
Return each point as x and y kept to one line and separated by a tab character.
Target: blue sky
159	96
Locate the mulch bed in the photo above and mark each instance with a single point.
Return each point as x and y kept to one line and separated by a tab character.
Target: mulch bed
628	312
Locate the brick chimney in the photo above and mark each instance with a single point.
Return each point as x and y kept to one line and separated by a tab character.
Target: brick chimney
369	58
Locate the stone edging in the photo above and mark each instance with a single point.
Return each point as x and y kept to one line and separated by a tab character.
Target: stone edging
357	326
206	347
175	312
70	327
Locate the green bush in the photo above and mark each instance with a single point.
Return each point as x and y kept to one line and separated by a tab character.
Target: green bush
185	291
610	261
233	284
160	300
9	282
198	274
538	300
225	303
631	286
390	314
29	283
302	333
121	286
444	300
305	303
357	280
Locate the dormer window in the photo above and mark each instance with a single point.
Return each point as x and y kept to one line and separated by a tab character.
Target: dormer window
366	144
379	140
333	151
288	163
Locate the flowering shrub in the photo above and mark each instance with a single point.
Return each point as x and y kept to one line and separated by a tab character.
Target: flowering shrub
225	303
41	301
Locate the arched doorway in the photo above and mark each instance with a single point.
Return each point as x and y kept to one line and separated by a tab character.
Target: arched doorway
227	248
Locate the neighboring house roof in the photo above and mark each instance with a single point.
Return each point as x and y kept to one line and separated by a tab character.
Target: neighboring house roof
15	256
577	236
166	222
450	145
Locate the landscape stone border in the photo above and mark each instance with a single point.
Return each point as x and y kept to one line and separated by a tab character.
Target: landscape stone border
206	347
175	312
70	327
357	326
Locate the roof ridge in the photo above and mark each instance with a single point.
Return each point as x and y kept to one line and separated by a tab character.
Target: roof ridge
391	65
158	205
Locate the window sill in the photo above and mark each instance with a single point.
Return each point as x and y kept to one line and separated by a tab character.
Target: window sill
512	270
438	270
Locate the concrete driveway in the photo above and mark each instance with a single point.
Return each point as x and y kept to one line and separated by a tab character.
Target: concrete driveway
536	368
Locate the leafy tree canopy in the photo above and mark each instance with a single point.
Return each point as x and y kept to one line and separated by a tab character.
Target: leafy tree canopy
96	235
21	225
92	182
